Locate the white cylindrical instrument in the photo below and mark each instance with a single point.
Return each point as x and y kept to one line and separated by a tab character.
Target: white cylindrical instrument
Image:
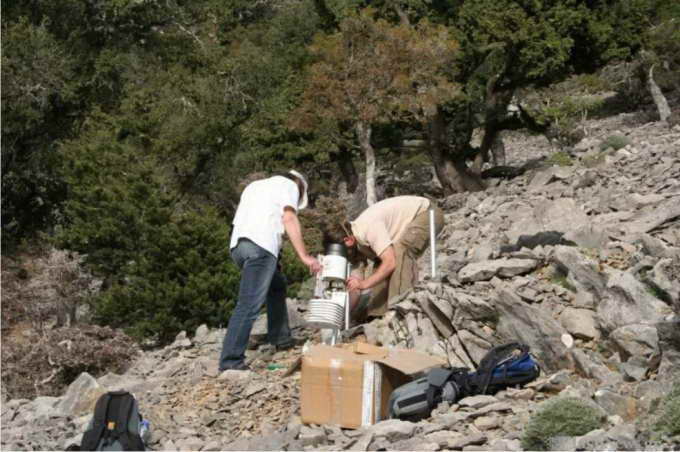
334	268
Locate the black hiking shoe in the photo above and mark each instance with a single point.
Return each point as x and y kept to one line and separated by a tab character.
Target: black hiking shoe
239	366
285	346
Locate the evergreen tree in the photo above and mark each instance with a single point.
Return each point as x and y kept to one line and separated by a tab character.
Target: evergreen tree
512	44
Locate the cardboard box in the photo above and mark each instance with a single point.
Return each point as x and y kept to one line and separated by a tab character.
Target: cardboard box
350	385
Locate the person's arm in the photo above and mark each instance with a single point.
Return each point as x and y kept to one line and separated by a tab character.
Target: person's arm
292	226
388	262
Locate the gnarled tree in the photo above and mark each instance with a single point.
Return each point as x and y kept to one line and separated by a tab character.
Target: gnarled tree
372	72
507	45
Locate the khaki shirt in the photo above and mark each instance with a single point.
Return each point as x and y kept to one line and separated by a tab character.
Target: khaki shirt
384	222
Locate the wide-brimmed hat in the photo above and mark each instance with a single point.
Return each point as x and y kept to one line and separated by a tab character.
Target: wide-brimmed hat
302	203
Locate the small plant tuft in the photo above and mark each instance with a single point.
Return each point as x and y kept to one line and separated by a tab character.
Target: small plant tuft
658	292
568	416
615	142
561	158
561	280
669	421
593	160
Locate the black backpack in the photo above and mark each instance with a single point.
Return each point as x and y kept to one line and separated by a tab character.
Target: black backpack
503	366
115	424
416	399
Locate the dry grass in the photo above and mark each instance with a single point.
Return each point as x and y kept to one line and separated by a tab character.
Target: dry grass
44	287
43	346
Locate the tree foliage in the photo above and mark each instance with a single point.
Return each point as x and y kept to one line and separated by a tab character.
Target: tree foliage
371	72
512	44
36	69
166	264
180	279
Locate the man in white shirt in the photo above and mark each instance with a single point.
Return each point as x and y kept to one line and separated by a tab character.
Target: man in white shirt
267	208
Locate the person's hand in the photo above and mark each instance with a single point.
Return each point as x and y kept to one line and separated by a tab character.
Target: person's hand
312	263
355	283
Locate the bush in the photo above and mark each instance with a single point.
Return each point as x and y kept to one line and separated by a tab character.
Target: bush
615	142
36	74
592	83
45	364
560	159
295	271
567	416
181	278
593	160
165	261
669	421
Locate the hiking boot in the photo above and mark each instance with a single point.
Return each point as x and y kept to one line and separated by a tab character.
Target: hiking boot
285	346
239	366
290	343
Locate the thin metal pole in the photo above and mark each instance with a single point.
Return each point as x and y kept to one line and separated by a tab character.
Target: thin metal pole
433	255
349	268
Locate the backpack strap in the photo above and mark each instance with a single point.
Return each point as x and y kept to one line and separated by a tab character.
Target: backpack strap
92	436
436	379
494	357
128	439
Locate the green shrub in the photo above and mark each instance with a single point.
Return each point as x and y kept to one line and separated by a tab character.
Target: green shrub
593	160
181	278
615	142
561	280
409	162
37	71
560	158
165	262
296	272
592	83
669	421
567	416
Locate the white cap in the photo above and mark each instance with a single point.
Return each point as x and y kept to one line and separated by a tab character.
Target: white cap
302	203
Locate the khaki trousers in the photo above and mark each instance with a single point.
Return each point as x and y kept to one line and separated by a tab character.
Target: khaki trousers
410	246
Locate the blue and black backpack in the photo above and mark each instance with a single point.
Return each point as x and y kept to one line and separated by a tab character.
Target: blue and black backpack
503	366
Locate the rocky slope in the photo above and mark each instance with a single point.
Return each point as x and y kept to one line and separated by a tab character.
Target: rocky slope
590	250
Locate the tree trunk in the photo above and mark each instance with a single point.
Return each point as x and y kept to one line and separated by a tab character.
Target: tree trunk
436	142
492	148
498	150
482	156
496	111
364	134
469	180
451	168
657	95
347	169
403	17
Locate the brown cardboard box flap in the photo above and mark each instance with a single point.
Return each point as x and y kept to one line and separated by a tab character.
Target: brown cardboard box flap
410	362
367	349
406	361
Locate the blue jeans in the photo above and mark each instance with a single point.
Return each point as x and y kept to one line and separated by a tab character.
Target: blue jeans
261	281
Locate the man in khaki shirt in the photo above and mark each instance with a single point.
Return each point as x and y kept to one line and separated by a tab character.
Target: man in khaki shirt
396	232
